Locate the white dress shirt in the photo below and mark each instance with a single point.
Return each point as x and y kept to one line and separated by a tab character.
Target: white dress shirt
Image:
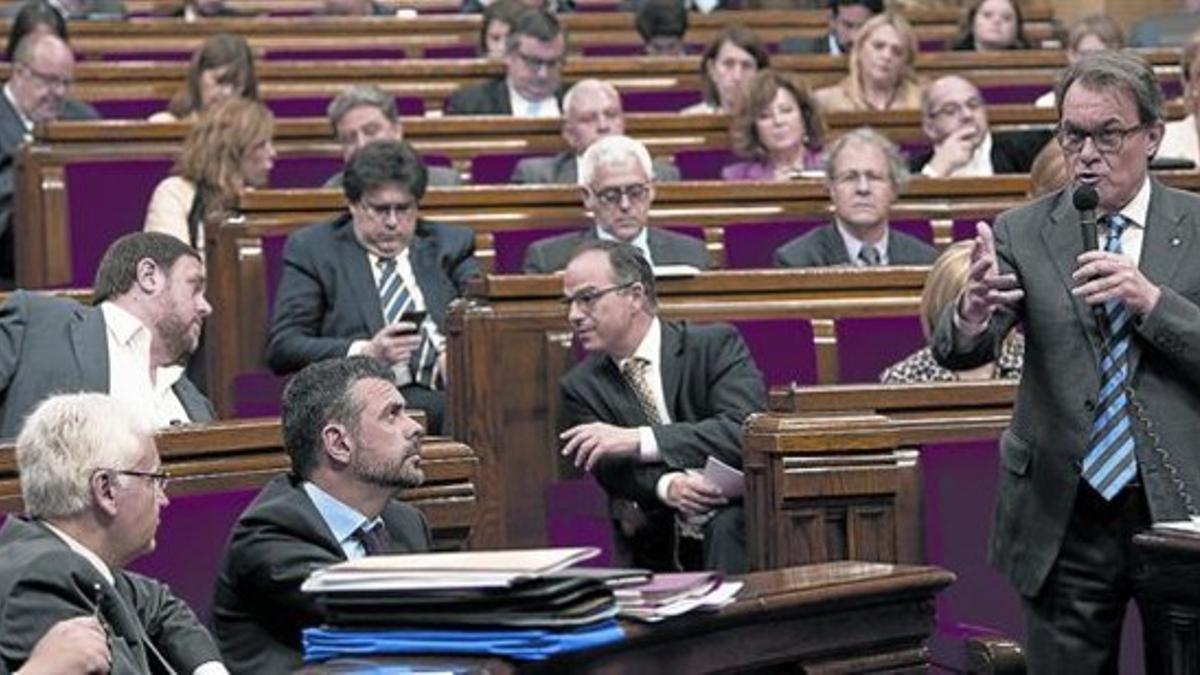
641	242
128	342
523	107
12	101
854	246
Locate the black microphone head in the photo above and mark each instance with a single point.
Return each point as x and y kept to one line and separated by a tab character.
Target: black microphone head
1085	197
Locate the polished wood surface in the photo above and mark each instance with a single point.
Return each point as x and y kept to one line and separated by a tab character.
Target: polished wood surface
831	618
1171	615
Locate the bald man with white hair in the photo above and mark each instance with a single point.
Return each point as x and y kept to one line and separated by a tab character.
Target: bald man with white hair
954	118
616	182
591	110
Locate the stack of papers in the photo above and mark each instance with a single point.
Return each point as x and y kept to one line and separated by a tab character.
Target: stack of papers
667	595
520	604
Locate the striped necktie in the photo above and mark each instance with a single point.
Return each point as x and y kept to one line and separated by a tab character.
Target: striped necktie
1110	462
634	371
374	538
395	299
869	256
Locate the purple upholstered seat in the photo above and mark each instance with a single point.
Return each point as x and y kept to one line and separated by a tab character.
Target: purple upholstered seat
452	52
965	228
921	229
315	106
510	246
751	245
304	172
497	168
783	349
613	50
703	164
191	539
868	345
672	100
146	55
97	214
577	515
129	108
342	54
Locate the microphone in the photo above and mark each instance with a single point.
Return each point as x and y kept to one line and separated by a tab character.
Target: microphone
1085	198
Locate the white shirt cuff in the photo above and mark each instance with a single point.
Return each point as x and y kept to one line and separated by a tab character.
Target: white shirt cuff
211	668
357	347
664	484
648	446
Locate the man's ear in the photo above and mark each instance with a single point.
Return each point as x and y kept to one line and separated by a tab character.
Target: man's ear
1154	133
336	444
148	276
103	485
588	197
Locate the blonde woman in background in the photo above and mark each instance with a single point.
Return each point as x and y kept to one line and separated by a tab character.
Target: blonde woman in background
881	70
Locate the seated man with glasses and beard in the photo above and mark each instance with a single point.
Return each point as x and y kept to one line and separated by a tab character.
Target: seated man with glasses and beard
616	180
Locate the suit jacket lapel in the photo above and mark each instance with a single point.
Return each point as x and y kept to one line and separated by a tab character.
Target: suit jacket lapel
499	94
626	410
1064	245
835	248
1163	246
422	255
89	338
566	168
358	273
673	339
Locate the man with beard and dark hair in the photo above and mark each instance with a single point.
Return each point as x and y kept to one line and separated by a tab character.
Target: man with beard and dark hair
353	447
149	307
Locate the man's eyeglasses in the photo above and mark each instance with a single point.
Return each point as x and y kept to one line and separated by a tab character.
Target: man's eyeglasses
588	297
955	109
47	80
612	195
1108	140
160	479
535	63
385	211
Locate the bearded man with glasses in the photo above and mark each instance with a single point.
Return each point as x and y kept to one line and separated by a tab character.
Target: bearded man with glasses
376	280
1101	443
653	404
616	181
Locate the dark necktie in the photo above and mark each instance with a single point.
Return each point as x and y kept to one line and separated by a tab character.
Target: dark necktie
869	256
1110	462
635	374
374	538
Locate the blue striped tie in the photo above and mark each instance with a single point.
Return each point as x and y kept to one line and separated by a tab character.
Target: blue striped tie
395	300
1110	462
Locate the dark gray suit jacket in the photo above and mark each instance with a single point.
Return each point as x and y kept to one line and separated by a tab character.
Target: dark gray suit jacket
52	345
42	582
258	609
666	248
563	168
804	45
1012	151
327	296
823	247
483	98
711	385
12	136
1043	449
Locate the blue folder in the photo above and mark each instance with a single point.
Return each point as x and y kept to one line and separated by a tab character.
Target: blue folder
322	644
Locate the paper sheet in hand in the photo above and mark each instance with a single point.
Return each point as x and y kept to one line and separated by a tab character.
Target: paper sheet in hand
730	480
1190	526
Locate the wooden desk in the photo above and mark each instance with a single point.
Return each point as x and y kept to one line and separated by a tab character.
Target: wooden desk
1172	616
832	618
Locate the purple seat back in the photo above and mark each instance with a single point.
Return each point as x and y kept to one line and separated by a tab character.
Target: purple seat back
868	345
497	169
703	164
97	214
510	246
921	229
344	54
133	55
315	106
305	171
191	540
783	349
577	515
614	50
751	245
453	52
965	228
659	101
129	109
1013	93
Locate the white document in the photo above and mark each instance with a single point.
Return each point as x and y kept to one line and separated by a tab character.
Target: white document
730	480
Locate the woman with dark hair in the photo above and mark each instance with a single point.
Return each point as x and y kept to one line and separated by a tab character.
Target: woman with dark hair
34	17
881	70
728	63
228	149
991	25
222	68
778	129
497	20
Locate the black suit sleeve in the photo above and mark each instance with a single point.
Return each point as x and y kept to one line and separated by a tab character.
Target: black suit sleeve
295	339
458	259
171	625
735	389
12	336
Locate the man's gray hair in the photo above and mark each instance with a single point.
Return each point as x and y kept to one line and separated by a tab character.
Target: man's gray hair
65	440
897	167
582	87
613	149
360	95
1123	70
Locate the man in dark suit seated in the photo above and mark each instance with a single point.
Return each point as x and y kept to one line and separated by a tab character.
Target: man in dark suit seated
534	56
42	75
845	18
954	118
353	447
133	344
617	184
93	485
375	281
364	113
864	174
591	110
652	403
